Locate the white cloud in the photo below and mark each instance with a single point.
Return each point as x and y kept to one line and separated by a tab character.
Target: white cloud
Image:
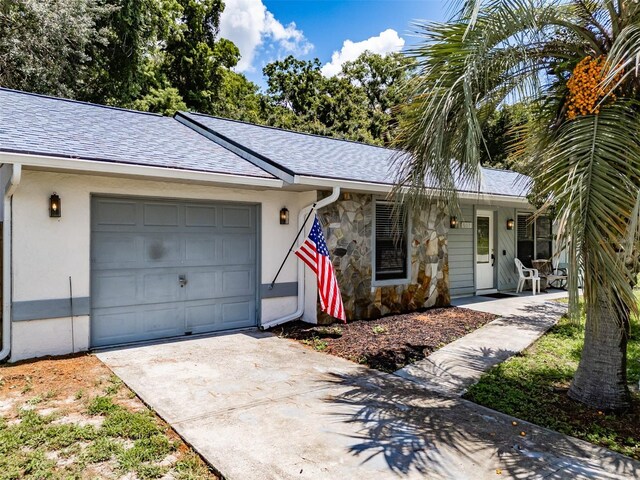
387	42
249	25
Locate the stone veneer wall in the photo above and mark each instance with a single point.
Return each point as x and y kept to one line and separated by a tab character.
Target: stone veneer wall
347	227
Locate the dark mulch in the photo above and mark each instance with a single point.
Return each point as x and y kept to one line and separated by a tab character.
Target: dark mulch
389	343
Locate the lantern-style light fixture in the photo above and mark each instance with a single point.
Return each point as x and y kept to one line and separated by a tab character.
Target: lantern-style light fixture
453	222
510	224
55	206
284	216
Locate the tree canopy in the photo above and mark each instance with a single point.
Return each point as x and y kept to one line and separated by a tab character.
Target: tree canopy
166	55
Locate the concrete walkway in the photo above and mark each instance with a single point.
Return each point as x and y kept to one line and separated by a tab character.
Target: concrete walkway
260	407
458	365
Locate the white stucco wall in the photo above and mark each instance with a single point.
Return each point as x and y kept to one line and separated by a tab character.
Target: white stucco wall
53	336
47	251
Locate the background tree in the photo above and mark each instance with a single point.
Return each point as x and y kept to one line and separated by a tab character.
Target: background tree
194	58
46	45
381	78
121	62
357	104
502	132
577	63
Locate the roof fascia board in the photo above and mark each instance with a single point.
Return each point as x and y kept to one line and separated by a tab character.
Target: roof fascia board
354	185
247	154
76	164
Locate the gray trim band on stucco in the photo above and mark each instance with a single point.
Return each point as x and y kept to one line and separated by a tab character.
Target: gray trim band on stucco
54	308
285	289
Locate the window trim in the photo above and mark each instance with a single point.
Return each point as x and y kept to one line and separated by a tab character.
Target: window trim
392	281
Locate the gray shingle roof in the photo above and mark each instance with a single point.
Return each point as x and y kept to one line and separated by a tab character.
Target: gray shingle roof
50	126
317	156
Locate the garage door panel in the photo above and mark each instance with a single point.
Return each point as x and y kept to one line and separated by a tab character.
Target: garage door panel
203	284
162	321
161	249
115	248
112	212
239	282
203	316
200	216
237	217
238	249
237	312
141	247
114	326
160	286
201	247
115	288
159	214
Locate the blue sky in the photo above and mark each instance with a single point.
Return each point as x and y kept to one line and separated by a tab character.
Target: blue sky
332	30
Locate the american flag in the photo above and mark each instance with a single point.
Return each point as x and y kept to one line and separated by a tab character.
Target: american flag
315	254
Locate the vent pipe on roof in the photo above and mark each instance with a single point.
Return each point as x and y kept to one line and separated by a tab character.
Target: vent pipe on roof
301	217
9	189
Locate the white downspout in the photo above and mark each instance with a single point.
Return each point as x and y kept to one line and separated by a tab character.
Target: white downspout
12	185
301	217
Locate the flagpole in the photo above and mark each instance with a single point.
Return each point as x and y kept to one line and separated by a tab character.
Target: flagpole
292	245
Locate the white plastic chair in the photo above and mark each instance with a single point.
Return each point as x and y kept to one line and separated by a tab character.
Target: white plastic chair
527	274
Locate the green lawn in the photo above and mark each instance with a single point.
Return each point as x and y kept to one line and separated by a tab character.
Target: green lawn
533	386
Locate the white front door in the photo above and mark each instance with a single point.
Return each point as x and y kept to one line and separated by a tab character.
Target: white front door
485	258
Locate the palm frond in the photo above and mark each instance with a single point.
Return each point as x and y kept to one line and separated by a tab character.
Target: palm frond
592	170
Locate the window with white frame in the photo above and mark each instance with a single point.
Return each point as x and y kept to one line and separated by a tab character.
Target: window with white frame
390	242
534	238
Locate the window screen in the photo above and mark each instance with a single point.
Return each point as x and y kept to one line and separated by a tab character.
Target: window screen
391	245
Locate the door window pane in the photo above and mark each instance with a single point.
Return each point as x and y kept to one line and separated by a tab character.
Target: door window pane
482	247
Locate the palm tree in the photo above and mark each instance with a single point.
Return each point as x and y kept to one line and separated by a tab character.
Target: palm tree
576	63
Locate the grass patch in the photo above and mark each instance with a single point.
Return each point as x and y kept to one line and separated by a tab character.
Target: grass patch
316	343
533	386
135	442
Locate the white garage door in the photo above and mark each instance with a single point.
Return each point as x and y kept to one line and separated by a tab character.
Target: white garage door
162	268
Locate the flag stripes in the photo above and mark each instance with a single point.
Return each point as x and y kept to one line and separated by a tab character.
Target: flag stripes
315	254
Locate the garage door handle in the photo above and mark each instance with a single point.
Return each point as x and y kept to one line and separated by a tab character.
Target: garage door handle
182	280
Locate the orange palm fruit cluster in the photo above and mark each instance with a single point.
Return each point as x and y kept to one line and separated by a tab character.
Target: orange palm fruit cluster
586	88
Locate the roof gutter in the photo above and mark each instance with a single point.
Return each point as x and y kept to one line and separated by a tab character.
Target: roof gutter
9	190
127	169
371	187
301	286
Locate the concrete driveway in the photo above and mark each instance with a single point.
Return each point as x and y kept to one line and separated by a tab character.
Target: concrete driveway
260	407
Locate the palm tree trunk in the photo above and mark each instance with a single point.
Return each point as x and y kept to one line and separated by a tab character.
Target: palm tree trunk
601	379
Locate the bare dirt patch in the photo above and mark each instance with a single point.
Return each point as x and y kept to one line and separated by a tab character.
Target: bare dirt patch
392	342
70	417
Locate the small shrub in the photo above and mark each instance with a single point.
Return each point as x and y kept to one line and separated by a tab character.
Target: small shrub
152	449
102	405
380	329
133	425
114	385
102	449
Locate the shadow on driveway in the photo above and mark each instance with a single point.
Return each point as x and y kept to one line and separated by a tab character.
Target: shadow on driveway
447	437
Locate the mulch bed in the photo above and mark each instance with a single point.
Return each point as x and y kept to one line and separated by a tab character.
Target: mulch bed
388	343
